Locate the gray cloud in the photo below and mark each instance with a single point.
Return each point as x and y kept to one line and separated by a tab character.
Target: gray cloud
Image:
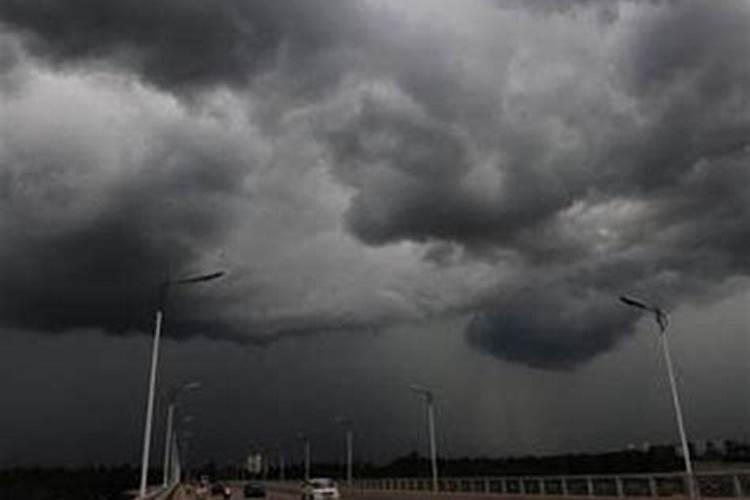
617	169
558	328
521	163
94	214
180	44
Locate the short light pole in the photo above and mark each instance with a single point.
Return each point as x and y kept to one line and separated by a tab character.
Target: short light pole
168	444
282	475
429	398
181	444
172	402
662	320
186	436
176	462
306	444
266	455
349	428
163	290
308	459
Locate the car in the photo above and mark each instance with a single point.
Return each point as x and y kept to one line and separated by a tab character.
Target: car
321	488
202	487
220	490
201	491
254	490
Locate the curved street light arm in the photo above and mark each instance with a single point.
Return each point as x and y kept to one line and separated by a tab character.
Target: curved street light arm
661	317
196	279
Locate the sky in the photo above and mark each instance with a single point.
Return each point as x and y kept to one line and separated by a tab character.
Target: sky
446	193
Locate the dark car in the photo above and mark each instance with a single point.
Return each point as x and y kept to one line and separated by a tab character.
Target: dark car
219	490
254	490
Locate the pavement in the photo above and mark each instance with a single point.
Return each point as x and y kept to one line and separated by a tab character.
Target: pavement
181	494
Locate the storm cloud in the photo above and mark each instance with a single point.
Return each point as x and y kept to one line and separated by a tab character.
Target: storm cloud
360	164
178	43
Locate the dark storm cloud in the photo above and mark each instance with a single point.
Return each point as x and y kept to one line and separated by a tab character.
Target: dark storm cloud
86	246
179	43
653	198
105	273
558	328
569	153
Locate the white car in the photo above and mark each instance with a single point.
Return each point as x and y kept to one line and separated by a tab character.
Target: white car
320	489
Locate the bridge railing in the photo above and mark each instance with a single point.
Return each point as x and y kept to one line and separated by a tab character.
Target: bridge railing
713	484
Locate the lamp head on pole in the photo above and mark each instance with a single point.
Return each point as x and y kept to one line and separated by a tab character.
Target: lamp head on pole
174	393
423	391
197	279
345	421
200	278
661	317
192	386
630	301
185	436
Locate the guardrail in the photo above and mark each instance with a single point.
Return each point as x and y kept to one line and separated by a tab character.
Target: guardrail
714	484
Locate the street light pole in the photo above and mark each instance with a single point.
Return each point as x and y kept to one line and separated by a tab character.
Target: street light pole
168	443
307	459
150	402
677	407
306	440
163	289
662	320
180	453
184	420
172	397
429	398
349	456
266	454
348	423
433	444
176	462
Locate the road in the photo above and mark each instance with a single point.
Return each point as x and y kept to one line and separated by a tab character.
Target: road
274	494
237	495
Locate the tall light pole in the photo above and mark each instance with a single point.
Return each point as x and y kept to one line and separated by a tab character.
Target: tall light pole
163	290
429	398
306	444
349	428
662	320
172	402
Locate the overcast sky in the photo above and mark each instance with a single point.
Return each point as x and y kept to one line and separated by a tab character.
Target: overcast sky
450	193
